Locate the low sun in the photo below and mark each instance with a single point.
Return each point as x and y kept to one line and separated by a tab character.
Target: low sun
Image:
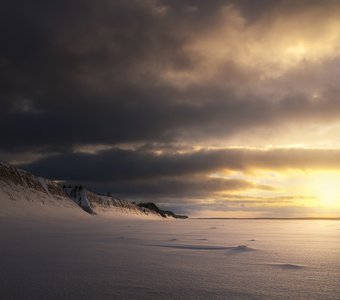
327	190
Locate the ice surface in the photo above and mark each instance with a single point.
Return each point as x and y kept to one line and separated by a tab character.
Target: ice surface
58	256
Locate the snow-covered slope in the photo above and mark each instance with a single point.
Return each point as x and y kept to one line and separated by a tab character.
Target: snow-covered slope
23	193
104	205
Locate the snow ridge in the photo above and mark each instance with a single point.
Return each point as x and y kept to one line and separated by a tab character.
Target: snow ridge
23	193
20	188
100	204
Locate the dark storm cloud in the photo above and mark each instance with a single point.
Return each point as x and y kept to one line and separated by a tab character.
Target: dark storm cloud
91	72
120	165
65	65
143	175
183	189
141	118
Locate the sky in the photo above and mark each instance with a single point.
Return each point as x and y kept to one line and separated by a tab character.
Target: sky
210	108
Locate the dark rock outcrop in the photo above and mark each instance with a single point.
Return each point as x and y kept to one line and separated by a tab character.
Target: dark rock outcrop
164	213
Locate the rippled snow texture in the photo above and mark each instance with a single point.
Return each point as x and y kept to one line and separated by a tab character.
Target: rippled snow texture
127	258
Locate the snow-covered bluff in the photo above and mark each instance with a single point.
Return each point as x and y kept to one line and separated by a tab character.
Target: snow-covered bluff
21	191
99	204
94	203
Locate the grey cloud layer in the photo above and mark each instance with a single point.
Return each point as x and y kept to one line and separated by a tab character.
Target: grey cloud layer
117	164
140	174
94	73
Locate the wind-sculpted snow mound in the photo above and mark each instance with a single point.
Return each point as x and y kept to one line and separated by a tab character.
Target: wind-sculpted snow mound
285	266
229	250
195	247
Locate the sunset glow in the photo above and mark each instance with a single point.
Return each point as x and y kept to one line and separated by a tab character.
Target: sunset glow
218	108
327	189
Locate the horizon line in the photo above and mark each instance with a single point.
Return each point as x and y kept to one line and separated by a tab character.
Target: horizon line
268	218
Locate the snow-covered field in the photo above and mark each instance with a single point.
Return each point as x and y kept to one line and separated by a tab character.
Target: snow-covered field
133	257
